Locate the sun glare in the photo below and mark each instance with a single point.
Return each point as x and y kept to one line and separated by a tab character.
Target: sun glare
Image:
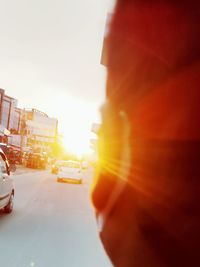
77	147
76	126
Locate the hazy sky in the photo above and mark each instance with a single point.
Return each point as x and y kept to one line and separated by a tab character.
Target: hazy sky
50	55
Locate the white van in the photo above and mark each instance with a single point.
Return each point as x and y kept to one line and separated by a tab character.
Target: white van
6	185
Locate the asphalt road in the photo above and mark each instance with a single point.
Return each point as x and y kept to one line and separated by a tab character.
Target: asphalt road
52	225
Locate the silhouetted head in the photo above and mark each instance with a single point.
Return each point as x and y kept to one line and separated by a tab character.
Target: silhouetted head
145	191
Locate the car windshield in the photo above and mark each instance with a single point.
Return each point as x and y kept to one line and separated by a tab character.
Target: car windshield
52	85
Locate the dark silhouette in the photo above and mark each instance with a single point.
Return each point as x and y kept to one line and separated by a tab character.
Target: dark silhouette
146	191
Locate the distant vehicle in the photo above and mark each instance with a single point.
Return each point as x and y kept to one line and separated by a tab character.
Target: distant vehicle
70	172
6	185
36	161
55	168
84	165
57	165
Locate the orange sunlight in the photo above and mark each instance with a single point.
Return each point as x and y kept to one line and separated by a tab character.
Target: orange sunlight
76	125
76	146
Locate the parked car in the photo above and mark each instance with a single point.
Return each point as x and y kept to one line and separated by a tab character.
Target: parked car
70	172
10	155
9	152
36	161
6	185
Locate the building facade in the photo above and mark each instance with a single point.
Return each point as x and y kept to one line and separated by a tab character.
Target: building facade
41	130
7	114
16	127
25	129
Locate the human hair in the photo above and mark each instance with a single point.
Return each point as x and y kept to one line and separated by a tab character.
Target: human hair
147	42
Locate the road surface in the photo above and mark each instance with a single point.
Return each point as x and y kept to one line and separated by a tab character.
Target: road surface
52	225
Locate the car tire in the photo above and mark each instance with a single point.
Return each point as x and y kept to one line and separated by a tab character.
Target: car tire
9	207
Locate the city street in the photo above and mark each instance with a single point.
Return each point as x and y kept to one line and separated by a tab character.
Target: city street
52	225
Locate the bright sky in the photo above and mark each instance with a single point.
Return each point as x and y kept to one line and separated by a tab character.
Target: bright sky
50	58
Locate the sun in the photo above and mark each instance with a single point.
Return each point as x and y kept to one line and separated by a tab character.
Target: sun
76	146
76	126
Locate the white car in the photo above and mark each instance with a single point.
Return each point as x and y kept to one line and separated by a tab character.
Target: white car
6	185
70	172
